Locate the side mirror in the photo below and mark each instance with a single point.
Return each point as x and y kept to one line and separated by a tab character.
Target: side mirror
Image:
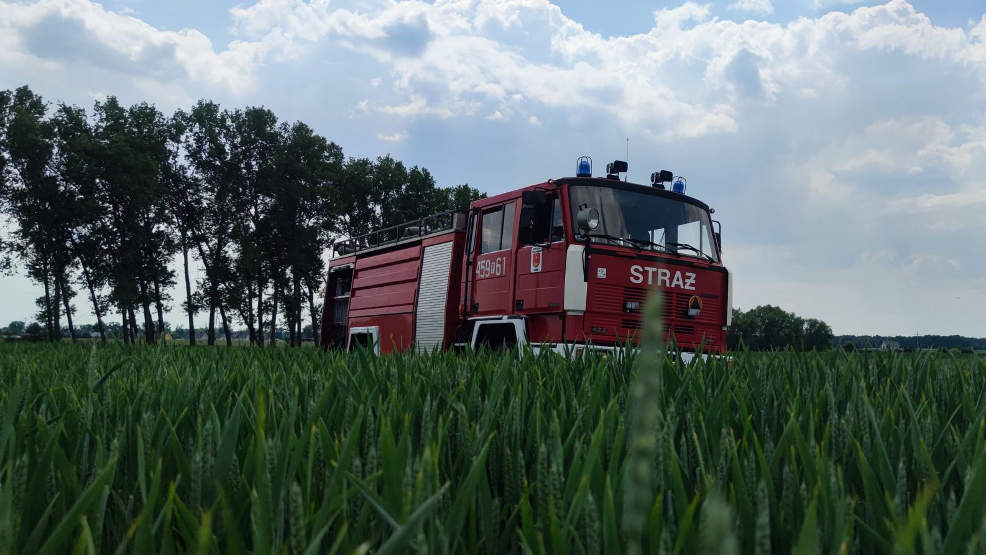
718	240
525	231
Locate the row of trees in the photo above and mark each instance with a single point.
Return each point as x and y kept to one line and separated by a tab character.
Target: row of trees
103	201
769	327
911	342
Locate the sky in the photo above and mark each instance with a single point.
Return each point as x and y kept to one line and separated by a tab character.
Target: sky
842	143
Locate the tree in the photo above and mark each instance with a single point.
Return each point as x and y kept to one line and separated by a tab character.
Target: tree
15	328
818	335
356	193
445	199
208	139
132	154
769	327
304	211
185	200
6	248
77	167
260	261
34	332
36	198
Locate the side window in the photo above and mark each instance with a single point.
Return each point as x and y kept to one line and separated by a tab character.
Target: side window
343	281
508	226
542	223
557	222
498	230
471	234
492	229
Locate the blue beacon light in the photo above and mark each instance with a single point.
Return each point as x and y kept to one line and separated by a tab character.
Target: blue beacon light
585	167
679	184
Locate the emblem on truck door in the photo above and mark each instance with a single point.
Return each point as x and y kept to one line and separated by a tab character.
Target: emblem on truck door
535	260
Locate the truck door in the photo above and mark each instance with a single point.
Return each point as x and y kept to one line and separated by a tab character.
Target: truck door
540	254
491	283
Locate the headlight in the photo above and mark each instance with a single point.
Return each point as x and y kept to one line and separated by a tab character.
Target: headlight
587	218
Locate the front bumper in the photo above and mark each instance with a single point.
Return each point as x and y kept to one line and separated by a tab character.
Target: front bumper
577	350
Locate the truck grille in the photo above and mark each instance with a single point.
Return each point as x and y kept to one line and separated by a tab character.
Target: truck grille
676	317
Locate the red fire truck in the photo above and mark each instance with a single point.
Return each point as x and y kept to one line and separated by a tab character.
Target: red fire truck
563	265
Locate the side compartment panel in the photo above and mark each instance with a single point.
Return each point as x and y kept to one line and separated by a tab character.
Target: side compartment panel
395	331
429	330
385	283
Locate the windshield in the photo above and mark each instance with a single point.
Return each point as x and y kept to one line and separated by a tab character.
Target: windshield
642	220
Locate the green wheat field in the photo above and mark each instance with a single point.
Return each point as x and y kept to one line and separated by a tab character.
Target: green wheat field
167	449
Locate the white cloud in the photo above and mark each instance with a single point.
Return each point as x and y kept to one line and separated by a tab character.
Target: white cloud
395	137
417	107
534	121
759	7
456	58
62	33
824	4
947	202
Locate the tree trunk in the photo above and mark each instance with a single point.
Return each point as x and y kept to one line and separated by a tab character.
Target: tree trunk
145	303
125	330
248	317
51	332
291	314
297	308
316	336
210	277
273	317
226	331
132	318
160	308
188	292
149	335
212	321
260	313
68	312
56	309
95	302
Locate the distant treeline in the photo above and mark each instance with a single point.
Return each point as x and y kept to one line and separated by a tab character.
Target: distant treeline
911	342
103	201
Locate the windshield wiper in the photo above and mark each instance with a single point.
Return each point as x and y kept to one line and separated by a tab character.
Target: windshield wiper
639	242
646	242
691	248
610	237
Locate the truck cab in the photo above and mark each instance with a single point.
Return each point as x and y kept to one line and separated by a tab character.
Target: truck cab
572	261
